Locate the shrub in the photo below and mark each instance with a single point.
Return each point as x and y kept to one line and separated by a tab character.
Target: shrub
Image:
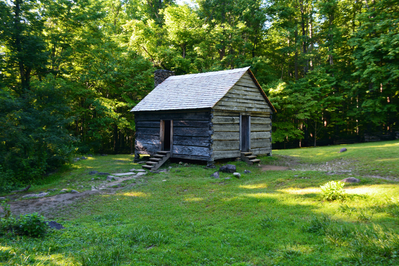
333	190
32	225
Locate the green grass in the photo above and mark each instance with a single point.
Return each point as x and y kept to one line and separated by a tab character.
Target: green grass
184	217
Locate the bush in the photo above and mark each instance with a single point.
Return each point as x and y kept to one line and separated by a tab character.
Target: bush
33	225
333	190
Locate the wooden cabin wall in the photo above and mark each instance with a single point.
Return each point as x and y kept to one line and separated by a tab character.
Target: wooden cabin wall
245	99
226	134
261	137
191	133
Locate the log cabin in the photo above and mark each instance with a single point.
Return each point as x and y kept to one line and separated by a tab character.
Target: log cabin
206	116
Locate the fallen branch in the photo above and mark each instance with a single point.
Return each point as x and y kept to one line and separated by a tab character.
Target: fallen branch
21	190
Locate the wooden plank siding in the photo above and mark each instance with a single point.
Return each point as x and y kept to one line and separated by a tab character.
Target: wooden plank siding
243	98
191	133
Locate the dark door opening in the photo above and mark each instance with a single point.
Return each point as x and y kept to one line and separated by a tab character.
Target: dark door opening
166	135
245	133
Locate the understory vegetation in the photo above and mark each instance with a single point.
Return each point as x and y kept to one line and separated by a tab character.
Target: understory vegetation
185	217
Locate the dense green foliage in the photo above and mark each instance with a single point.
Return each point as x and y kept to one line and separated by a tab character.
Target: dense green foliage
71	70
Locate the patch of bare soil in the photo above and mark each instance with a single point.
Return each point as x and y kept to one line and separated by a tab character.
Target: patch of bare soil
48	206
273	168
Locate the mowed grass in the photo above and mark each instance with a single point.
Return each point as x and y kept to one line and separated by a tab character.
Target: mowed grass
185	217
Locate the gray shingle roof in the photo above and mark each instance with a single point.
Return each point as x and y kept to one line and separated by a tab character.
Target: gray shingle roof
192	91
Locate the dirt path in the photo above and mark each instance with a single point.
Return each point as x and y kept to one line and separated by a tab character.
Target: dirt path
47	206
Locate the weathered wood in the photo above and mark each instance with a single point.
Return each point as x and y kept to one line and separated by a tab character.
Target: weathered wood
226	154
147	124
260	143
217	113
219	145
190	150
241	109
224	128
190	157
226	136
243	104
262	151
189	123
245	83
144	142
191	131
244	101
260	127
260	120
260	135
147	131
192	141
226	120
177	115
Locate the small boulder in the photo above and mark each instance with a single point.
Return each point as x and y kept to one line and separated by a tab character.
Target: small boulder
141	170
227	178
64	190
228	168
237	175
55	225
343	150
93	172
74	191
247	172
2	198
350	180
215	175
101	173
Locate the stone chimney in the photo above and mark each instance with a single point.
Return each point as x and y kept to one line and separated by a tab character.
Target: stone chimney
160	75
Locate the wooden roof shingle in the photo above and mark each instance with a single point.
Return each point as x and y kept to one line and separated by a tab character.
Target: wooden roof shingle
191	91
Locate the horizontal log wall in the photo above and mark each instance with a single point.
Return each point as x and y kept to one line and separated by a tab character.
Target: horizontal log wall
226	134
261	135
191	133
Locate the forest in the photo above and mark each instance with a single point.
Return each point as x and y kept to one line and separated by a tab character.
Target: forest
70	70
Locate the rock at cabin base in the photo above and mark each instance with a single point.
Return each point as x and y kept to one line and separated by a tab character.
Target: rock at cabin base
350	180
215	175
343	150
228	168
247	172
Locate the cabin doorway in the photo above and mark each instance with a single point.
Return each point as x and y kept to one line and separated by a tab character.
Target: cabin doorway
245	133
166	135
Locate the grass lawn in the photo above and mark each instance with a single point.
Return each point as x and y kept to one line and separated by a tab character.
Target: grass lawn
185	217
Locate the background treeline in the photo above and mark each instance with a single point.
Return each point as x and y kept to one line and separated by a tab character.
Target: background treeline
71	70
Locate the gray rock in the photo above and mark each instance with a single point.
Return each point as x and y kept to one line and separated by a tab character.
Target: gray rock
93	172
228	178
55	225
237	175
342	150
74	191
141	173
111	177
64	190
2	198
215	175
101	173
123	174
228	168
132	170
350	180
40	195
141	170
247	172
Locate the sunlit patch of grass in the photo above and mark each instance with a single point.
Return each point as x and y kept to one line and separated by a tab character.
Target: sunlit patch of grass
137	194
301	191
254	186
193	199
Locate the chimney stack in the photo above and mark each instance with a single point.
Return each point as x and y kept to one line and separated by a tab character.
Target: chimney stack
160	75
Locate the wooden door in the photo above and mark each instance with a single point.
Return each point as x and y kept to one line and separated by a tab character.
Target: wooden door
166	134
245	135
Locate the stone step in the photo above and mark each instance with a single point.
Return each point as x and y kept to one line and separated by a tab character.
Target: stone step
251	157
147	166
159	155
246	153
155	159
163	152
255	161
151	162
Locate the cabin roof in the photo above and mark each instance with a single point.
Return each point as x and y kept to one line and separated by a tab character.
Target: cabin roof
194	91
